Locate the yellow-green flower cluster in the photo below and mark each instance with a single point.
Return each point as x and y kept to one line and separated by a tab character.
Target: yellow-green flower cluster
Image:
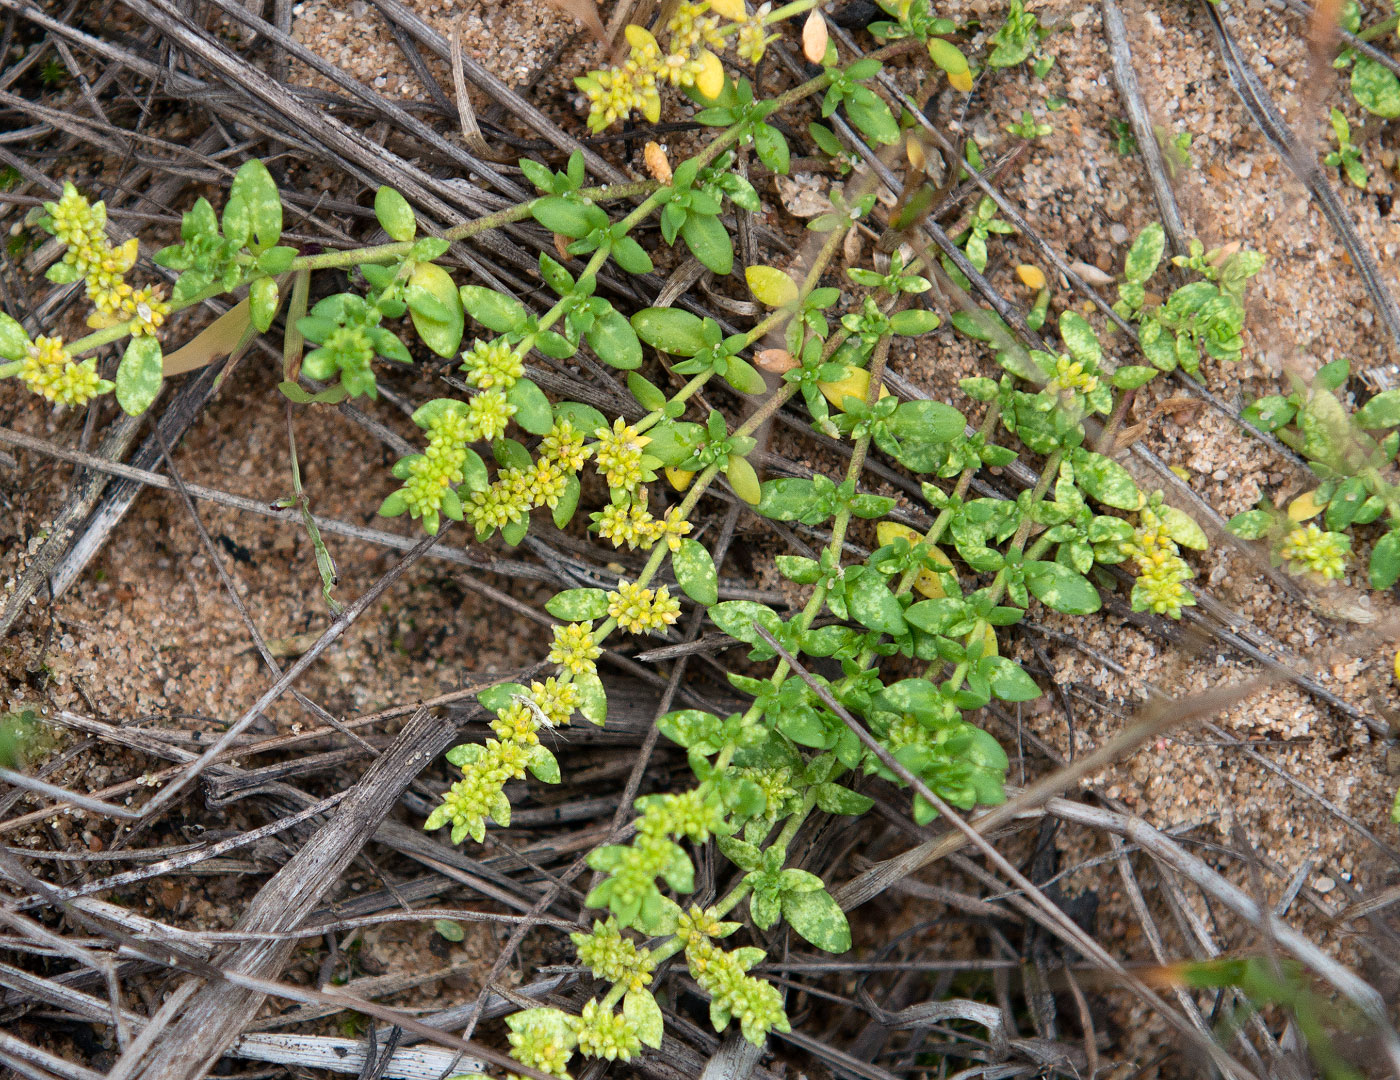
696	814
490	364
487	767
1162	572
564	446
574	648
639	610
543	1039
50	371
431	477
509	499
1070	375
753	36
734	994
618	456
603	1033
695	36
630	523
1308	549
82	227
489	413
613	957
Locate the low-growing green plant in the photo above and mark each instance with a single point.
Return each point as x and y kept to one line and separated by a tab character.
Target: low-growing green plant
1347	156
1205	315
1028	127
1123	139
1373	85
1352	453
912	632
1019	39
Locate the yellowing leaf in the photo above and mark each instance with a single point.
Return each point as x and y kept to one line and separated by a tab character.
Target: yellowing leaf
927	582
639	37
1304	506
989	641
680	478
856	384
1185	474
733	10
814	37
1397	667
710	80
1032	277
961	81
770	285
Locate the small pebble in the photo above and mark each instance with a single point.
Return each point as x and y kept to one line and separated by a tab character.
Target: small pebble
1324	885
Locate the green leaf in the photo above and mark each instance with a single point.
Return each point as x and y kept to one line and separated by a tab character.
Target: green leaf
695	572
62	273
670	330
649	396
263	302
277	260
614	341
532	409
1145	254
563	511
1062	589
911	322
139	375
1104	479
561	215
835	799
441	334
818	918
709	242
873	605
1376	88
1132	376
237	222
1008	680
449	929
743	376
593	699
631	256
331	395
1382	411
1079	337
394	214
1251	525
1182	528
578	605
14	342
493	310
254	186
927	422
693	728
543	765
1385	561
743	479
641	1009
871	115
738	619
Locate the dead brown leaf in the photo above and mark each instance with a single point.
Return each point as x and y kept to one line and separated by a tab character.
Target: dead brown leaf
586	12
221	337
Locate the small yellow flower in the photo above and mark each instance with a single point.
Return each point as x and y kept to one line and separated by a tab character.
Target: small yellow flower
618	455
640	610
574	648
50	371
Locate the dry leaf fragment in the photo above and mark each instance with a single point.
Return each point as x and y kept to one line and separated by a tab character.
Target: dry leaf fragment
814	37
561	245
586	12
222	336
775	360
654	154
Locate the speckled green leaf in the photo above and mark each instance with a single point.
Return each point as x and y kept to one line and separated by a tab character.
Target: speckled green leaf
577	605
449	929
695	572
645	1014
816	916
1376	88
593	699
394	214
1182	528
254	186
1062	589
1104	479
14	342
139	375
